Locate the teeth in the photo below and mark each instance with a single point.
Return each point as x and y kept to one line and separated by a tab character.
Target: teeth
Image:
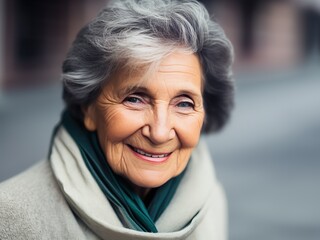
148	154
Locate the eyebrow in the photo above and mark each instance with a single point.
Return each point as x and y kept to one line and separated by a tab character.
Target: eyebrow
131	89
135	88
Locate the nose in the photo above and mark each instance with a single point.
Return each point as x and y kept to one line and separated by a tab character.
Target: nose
159	128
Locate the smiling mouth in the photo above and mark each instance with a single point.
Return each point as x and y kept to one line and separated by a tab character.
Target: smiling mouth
150	155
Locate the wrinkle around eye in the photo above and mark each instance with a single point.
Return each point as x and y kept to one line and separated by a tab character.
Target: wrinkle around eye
135	102
184	104
192	111
106	100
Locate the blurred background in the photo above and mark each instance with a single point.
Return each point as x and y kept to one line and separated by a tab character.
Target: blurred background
267	158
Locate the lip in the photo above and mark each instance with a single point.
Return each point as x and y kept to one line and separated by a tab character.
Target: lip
153	158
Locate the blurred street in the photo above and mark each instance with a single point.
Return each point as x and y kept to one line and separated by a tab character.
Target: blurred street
268	157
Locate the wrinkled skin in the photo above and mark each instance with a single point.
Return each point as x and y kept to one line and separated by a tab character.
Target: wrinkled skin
148	129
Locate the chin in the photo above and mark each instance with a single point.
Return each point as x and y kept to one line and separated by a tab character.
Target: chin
151	179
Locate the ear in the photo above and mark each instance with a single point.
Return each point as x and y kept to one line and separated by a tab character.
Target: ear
89	119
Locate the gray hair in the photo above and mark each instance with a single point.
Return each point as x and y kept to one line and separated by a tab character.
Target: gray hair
135	33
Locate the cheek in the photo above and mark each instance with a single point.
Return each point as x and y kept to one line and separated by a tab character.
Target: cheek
119	124
189	130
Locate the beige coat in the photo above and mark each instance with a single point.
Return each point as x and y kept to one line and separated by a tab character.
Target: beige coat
59	199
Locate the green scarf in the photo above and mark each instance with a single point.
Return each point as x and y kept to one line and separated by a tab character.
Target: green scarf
129	207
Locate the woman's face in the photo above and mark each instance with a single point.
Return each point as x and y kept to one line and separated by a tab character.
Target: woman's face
148	129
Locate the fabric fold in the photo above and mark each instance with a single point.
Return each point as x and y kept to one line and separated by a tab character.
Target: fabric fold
127	204
180	218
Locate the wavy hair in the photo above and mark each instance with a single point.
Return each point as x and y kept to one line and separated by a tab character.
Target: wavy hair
136	33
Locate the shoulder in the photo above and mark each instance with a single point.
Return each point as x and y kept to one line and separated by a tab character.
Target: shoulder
214	211
21	201
28	185
213	217
32	184
31	205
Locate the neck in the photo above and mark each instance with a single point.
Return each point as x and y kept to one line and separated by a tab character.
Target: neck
141	191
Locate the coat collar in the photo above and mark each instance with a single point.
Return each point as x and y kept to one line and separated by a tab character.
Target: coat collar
84	196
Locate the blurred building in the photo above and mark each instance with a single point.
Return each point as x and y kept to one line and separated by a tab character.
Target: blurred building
1	46
267	35
35	35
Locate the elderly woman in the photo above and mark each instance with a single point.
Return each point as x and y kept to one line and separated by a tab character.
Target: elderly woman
141	83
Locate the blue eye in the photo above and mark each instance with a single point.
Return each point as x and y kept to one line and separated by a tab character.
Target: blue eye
185	105
133	100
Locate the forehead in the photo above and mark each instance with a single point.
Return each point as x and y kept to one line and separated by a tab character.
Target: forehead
180	69
181	62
